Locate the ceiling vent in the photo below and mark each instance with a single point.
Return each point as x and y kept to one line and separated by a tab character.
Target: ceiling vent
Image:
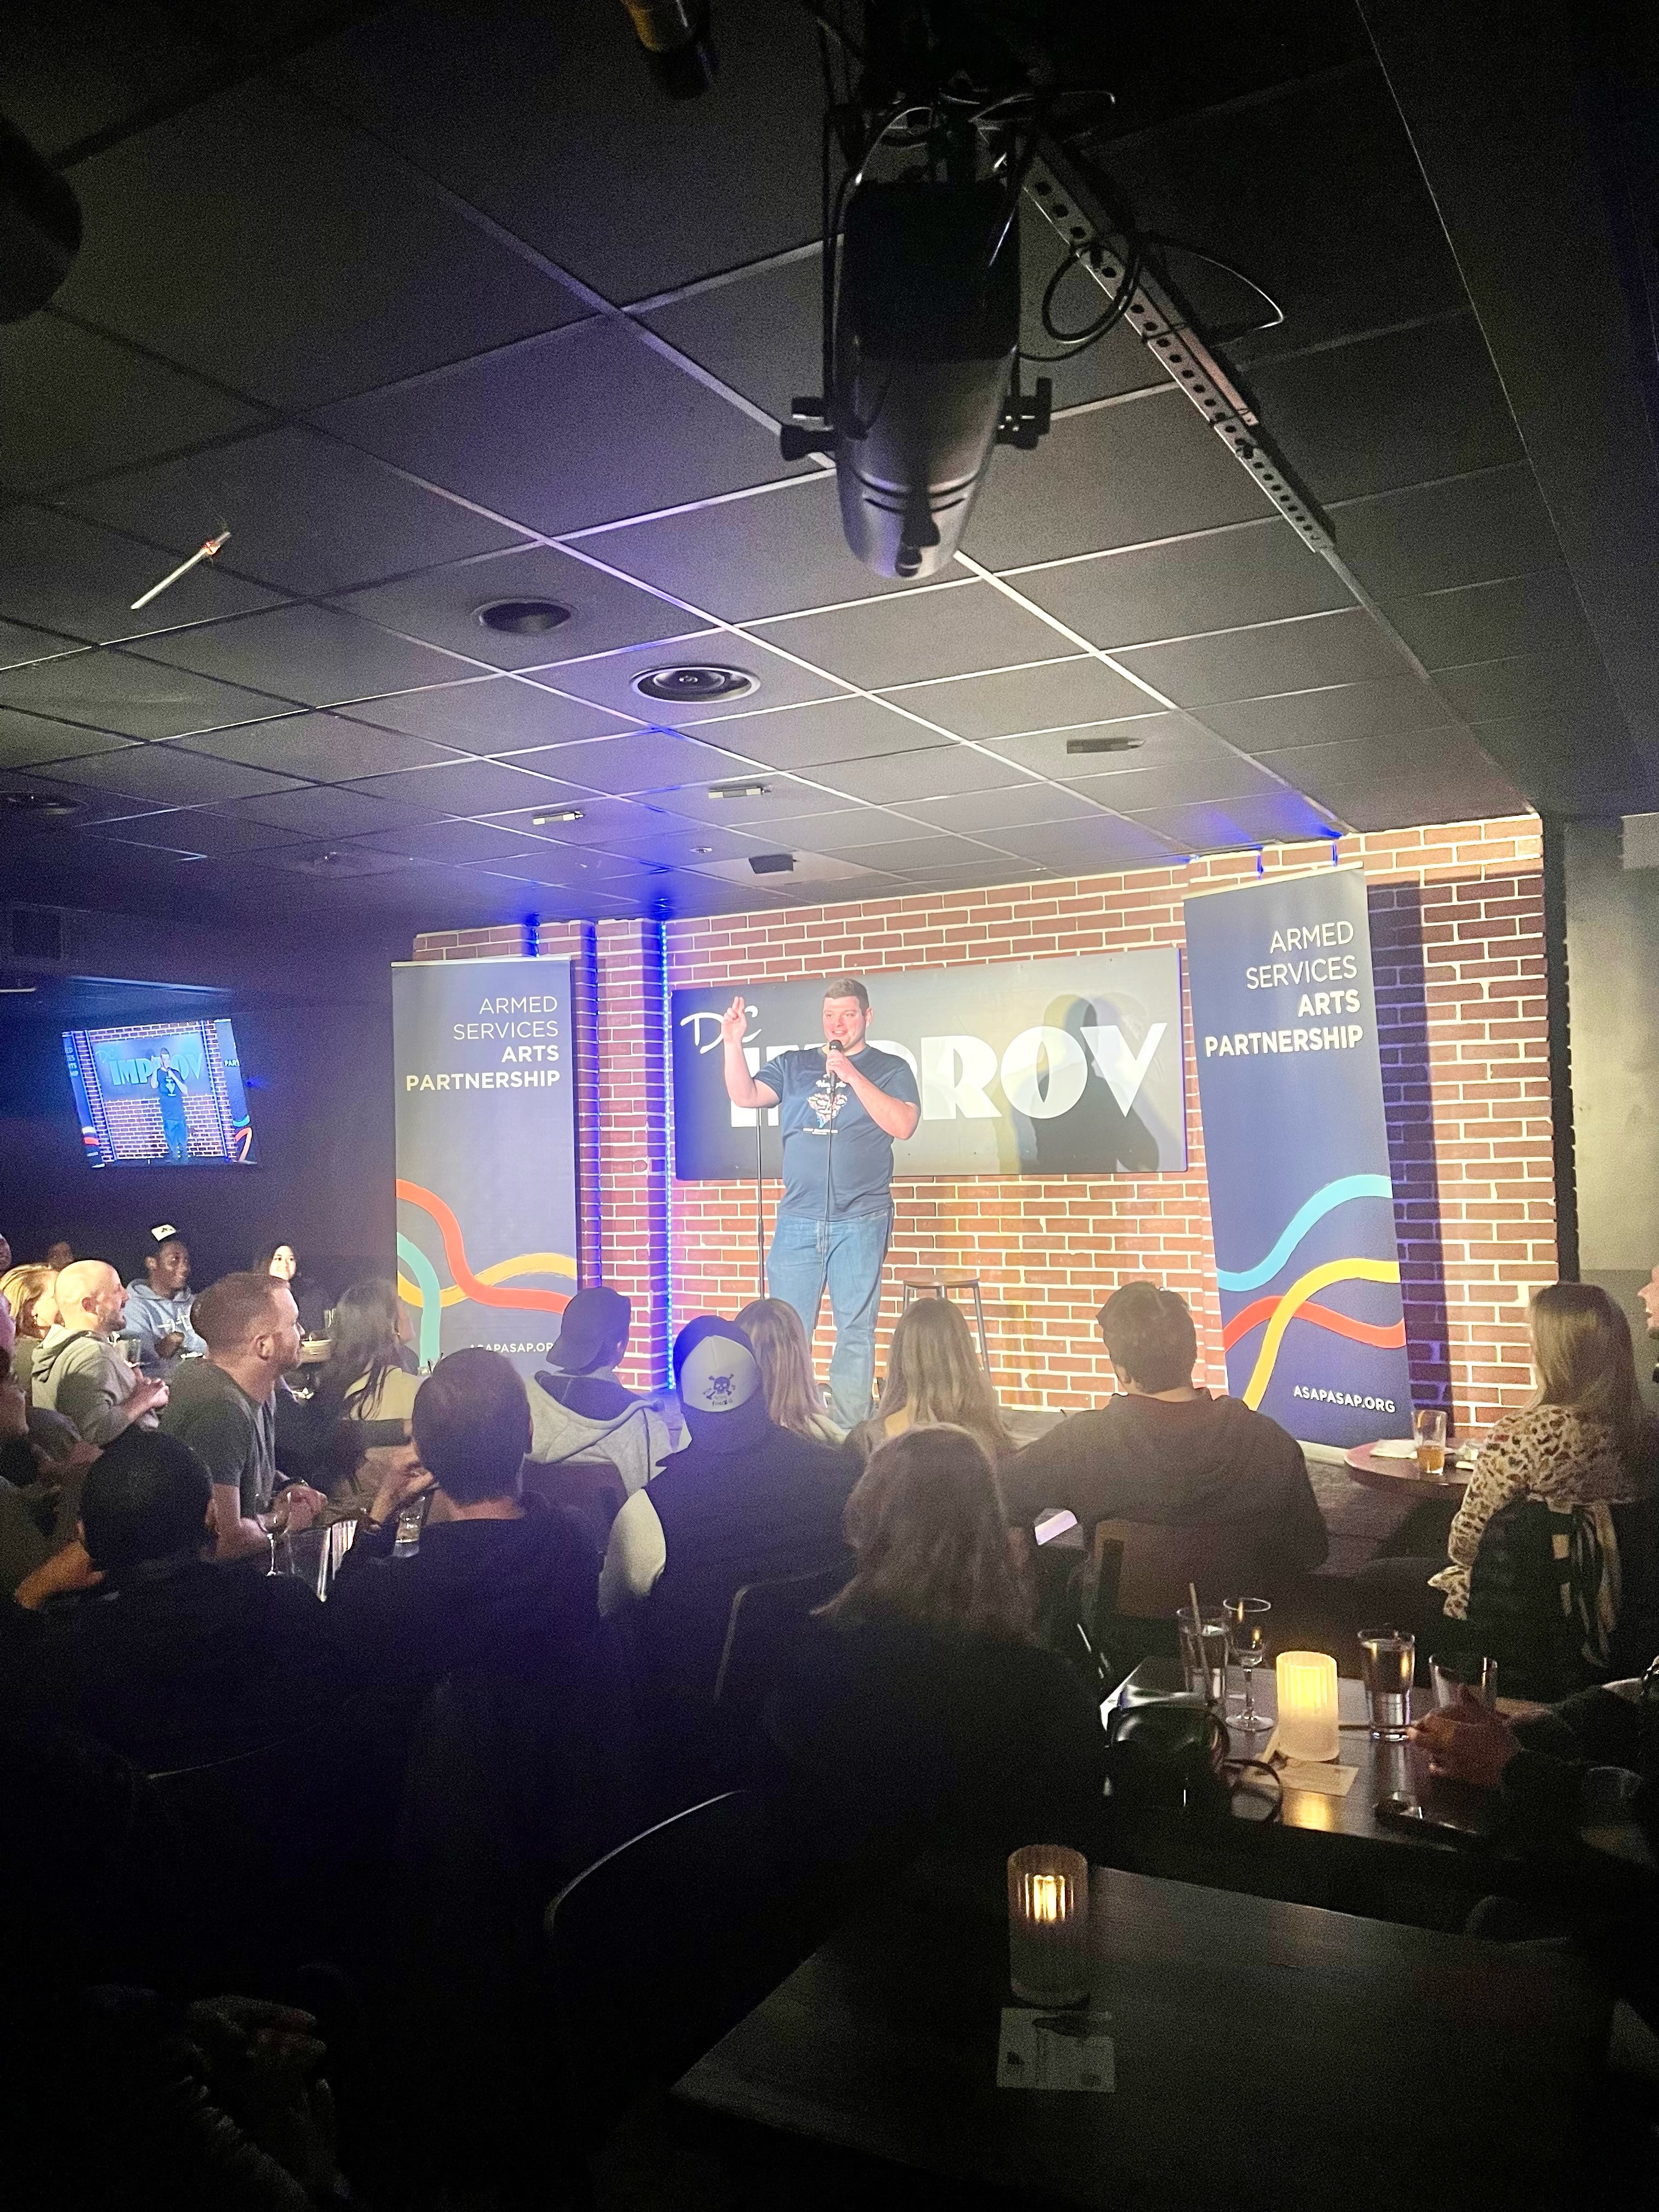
772	864
522	617
692	683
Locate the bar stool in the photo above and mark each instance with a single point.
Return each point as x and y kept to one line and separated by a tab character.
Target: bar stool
917	1287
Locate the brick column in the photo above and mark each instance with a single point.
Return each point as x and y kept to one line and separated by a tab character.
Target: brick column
632	1120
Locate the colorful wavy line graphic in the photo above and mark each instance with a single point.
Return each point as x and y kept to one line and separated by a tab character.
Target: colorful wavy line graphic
522	1263
424	1294
1287	1307
1313	1209
1384	1338
480	1288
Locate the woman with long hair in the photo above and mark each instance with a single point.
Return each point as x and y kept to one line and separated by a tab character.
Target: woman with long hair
370	1374
29	1296
934	1375
918	1700
281	1260
1582	1440
779	1337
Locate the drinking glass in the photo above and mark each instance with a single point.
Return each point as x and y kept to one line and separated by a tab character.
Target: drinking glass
1246	1644
1465	1670
1388	1660
1429	1427
412	1519
1204	1655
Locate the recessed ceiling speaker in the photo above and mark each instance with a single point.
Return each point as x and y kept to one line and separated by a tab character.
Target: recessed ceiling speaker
773	863
1104	744
691	684
38	806
522	617
40	227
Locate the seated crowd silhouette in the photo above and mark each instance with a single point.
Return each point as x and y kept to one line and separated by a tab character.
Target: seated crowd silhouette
516	1723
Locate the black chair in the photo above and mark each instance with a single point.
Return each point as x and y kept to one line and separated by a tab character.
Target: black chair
591	1488
765	1619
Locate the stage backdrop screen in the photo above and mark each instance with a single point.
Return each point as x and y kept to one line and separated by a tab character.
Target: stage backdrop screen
160	1094
1296	1150
486	1153
1038	1067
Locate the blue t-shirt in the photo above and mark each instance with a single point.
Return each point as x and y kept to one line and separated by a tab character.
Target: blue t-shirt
830	1178
171	1094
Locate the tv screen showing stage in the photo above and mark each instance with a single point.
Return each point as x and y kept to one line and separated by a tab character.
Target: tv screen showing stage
161	1094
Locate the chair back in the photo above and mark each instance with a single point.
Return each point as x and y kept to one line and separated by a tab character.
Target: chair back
1143	1570
765	1619
591	1488
658	1947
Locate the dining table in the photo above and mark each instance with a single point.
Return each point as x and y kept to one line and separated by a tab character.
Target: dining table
1380	1467
1258	2053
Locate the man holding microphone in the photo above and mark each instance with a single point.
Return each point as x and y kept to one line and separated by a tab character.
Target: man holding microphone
842	1106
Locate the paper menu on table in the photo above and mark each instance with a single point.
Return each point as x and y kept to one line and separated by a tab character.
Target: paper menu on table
1068	2051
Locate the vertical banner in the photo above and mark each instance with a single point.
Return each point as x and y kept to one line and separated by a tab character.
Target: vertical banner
1295	1147
481	1053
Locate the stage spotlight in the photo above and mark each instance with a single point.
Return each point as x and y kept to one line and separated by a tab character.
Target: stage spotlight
40	227
677	44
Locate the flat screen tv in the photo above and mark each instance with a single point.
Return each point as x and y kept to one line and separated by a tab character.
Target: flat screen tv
161	1094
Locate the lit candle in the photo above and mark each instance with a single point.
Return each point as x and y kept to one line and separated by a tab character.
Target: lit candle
1307	1704
1049	1924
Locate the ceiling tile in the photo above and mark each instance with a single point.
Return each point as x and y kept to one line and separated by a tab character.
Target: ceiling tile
66	575
1134	789
1438	776
326	748
608	680
560	867
90	806
665	841
1120	476
309	653
1248	664
547	121
77	403
159	773
1098	847
461	841
890	778
1351	419
934	852
586	426
990	812
1279	818
122	691
952	630
1493	690
363	273
604	822
832	729
439	607
1334	715
782	799
307	513
468	787
28	738
1466	531
1254	572
1165	740
1574	761
746	558
324	810
1063	693
489	714
845	830
645	760
1535	614
203	830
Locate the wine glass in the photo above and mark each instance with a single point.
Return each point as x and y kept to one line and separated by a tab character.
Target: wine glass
1247	1645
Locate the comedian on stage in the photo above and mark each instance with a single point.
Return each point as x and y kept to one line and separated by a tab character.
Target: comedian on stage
843	1105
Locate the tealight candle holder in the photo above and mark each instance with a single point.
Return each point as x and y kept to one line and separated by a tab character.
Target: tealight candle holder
1049	1924
1306	1682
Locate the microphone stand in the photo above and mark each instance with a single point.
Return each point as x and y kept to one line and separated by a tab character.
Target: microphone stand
760	1209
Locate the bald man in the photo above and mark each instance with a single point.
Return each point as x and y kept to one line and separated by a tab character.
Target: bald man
78	1372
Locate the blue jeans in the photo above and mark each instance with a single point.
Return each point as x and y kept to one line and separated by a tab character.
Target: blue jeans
846	1255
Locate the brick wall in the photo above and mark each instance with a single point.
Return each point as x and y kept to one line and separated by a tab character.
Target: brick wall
1458	945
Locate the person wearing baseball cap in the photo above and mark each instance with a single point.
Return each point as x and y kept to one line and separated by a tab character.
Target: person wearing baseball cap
592	1342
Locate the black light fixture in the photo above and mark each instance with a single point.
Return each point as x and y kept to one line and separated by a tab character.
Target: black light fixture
692	682
1104	744
522	617
38	806
557	814
739	790
772	864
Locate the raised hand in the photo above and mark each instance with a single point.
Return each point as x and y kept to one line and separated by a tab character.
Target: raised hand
734	1021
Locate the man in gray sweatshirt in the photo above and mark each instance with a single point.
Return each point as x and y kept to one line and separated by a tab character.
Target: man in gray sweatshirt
78	1372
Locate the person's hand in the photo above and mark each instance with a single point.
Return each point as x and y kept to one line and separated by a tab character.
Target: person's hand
1467	1743
80	1454
71	1568
172	1342
14	1412
837	1063
263	2060
734	1021
146	1397
402	1478
295	1509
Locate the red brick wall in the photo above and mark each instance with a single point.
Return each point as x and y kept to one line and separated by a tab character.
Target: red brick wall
1458	943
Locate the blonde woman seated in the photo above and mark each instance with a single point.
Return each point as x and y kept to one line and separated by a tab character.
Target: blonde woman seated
934	1375
1583	1441
793	1401
919	1700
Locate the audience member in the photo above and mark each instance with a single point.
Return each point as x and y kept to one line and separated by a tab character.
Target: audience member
918	1700
158	1306
744	1502
365	1394
59	1256
224	1407
793	1401
76	1370
280	1260
578	1408
42	1462
1162	1451
28	1295
1583	1441
131	1636
7	1319
933	1375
